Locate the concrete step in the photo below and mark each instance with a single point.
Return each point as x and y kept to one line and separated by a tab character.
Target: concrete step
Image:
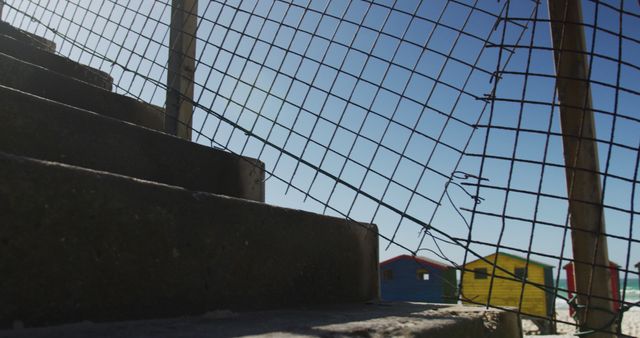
365	320
48	130
39	81
79	245
26	37
29	53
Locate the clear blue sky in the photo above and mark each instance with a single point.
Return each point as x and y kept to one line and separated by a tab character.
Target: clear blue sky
383	96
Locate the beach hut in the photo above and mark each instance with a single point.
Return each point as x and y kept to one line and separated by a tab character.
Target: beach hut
506	289
417	279
615	284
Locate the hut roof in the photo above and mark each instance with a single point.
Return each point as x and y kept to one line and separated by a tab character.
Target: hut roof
531	262
611	263
419	259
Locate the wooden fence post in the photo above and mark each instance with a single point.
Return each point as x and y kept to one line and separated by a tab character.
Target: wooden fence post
180	76
593	283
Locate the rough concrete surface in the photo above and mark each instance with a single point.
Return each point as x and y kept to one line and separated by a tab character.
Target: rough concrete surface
53	62
42	82
365	320
81	245
47	130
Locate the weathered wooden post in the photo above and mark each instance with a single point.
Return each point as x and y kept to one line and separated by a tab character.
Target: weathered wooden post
180	77
593	277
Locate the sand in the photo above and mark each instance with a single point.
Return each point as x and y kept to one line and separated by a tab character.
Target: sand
630	325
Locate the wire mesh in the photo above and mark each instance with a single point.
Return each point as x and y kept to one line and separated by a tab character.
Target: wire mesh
437	120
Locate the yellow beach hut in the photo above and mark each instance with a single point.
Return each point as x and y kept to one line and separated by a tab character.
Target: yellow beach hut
505	292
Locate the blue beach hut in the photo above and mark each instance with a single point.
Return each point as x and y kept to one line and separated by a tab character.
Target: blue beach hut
417	279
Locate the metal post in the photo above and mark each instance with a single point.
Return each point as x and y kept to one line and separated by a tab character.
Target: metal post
593	283
1	8
180	77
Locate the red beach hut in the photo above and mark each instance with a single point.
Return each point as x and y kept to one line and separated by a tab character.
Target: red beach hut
615	284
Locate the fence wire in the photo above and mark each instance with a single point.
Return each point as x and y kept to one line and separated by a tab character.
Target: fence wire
437	120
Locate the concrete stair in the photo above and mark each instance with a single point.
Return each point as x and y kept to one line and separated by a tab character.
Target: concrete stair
37	50
88	245
58	64
27	38
350	320
106	218
48	130
40	81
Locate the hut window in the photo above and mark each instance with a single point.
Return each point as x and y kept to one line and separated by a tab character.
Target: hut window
422	274
387	274
480	273
520	273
